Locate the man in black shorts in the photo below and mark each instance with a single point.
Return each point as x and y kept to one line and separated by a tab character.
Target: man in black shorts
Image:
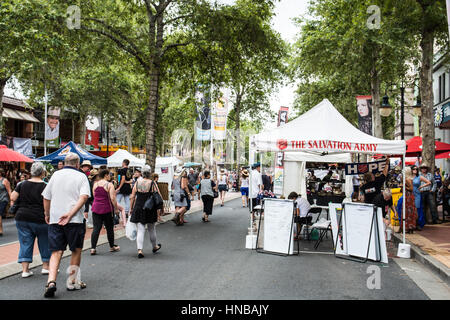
64	199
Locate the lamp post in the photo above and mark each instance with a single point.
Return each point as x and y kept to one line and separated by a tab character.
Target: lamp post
386	108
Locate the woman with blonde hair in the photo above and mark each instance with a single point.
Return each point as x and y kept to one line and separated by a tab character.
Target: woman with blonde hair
180	194
410	215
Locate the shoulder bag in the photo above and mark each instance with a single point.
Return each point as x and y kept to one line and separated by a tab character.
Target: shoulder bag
157	200
150	202
114	215
216	193
13	209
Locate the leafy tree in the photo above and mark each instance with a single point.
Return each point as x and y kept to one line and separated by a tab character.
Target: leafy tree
339	55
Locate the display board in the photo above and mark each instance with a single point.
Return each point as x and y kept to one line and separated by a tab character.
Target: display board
278	235
381	238
339	238
360	230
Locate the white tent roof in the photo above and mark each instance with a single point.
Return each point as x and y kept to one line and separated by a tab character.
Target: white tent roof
315	157
116	159
323	129
167	161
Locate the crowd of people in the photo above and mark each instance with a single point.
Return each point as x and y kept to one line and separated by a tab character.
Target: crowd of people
57	210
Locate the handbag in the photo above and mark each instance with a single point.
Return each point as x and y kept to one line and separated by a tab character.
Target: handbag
216	193
116	219
13	209
158	201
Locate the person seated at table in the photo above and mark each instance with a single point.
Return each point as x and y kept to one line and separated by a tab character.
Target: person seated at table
301	209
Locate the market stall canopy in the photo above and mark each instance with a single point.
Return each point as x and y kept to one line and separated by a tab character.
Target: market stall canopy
60	155
323	130
414	147
192	164
12	156
314	157
167	161
116	159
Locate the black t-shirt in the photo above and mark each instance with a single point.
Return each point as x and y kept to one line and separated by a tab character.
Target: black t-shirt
380	202
266	182
30	201
124	173
193	178
372	188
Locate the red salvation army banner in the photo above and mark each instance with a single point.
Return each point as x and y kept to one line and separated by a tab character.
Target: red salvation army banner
363	167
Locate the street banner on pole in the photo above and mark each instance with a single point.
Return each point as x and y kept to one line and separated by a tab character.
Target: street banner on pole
220	119
52	127
279	157
203	124
364	105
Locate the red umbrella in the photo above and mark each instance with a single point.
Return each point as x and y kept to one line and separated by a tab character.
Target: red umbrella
443	155
414	147
11	155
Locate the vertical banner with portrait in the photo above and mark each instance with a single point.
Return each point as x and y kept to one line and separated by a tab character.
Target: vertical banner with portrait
364	105
203	120
279	157
220	119
52	127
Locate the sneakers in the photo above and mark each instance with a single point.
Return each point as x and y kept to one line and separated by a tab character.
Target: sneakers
27	274
45	271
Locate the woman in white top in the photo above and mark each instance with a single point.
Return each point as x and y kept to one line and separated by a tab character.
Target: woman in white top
244	188
223	185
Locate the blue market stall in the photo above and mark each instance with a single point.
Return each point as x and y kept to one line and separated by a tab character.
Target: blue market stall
60	155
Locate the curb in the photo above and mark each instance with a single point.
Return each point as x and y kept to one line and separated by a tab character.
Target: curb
14	268
435	266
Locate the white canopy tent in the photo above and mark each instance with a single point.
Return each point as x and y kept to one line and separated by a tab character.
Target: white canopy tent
320	132
165	168
116	159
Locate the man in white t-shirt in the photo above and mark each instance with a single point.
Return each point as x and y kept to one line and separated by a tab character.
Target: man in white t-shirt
302	208
256	186
64	199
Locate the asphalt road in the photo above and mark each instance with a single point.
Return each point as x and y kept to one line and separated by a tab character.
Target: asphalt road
209	261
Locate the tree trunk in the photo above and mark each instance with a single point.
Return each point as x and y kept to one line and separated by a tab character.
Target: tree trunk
130	132
2	90
150	121
375	91
426	90
83	131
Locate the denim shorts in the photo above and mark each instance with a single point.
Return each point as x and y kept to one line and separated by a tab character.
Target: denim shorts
244	191
223	187
71	234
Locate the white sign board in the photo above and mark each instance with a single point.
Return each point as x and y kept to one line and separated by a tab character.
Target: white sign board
339	238
278	235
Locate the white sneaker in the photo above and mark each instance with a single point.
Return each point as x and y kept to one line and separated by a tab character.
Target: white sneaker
44	271
27	274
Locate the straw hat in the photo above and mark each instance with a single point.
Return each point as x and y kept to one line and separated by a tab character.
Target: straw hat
86	163
93	173
424	165
245	173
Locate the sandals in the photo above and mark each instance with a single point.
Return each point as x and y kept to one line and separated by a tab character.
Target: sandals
93	252
50	289
76	286
159	247
176	219
115	248
140	255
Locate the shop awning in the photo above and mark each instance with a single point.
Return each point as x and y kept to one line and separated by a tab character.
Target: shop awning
19	115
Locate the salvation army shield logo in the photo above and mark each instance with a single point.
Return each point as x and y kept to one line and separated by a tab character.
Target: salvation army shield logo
363	168
282	144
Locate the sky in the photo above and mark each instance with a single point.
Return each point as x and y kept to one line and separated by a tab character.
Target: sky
285	11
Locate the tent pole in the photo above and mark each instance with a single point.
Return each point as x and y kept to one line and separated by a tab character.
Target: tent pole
404	201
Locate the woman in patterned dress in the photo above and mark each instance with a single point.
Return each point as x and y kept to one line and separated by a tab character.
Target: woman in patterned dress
410	207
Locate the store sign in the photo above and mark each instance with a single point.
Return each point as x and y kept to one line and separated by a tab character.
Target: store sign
442	114
364	167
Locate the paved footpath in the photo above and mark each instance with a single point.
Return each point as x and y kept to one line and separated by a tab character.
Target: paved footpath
204	261
431	246
9	244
